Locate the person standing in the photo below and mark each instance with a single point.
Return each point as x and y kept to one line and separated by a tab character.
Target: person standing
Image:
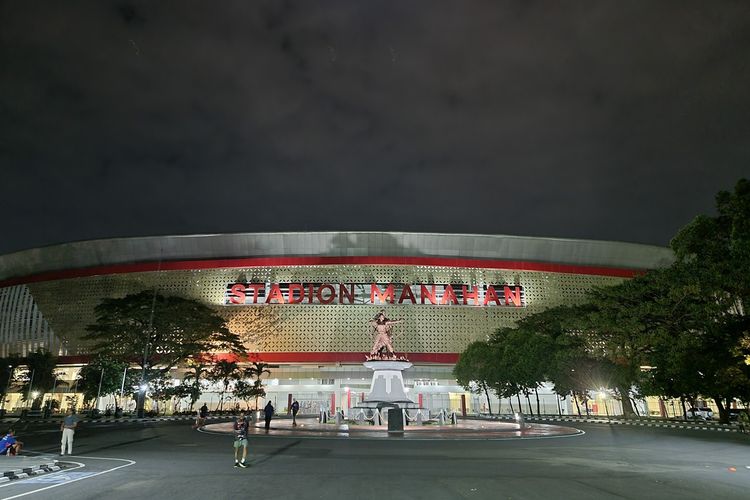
68	428
744	421
202	415
241	426
295	409
268	412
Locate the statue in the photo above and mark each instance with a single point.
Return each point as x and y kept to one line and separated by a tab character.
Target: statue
382	348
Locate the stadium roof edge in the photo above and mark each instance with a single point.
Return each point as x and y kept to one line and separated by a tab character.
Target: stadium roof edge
119	251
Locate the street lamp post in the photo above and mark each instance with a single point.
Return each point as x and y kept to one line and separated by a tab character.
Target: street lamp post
99	392
122	389
31	383
606	408
75	396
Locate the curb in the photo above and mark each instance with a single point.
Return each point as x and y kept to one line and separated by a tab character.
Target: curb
610	421
110	420
29	471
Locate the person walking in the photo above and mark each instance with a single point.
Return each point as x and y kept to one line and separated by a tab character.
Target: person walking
241	427
268	412
68	428
295	409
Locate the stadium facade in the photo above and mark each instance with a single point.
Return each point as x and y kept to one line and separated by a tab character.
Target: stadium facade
303	302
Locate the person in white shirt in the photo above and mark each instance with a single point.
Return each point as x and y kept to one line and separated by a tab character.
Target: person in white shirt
68	428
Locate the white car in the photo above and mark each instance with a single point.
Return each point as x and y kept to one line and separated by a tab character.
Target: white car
702	413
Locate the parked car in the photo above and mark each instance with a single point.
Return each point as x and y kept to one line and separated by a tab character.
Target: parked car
702	413
734	413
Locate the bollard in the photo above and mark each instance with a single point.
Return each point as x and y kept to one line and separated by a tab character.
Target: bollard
395	420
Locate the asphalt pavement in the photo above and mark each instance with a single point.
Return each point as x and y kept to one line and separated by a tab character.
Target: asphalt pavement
171	460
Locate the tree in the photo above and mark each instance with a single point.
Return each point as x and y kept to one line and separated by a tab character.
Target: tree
524	351
569	363
255	371
156	332
714	252
615	328
187	390
162	389
686	323
196	371
224	372
41	376
475	369
108	372
249	390
8	367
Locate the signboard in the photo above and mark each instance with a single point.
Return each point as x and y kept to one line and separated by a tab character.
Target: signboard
446	294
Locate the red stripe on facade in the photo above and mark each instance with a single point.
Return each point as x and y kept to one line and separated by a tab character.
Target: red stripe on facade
187	265
307	357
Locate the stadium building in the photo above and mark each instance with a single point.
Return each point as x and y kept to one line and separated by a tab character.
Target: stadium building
303	302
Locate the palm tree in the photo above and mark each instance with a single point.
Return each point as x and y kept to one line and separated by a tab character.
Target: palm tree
225	372
197	370
249	390
256	371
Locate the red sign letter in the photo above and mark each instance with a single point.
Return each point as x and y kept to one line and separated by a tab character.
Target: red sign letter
471	295
275	294
428	294
406	293
511	296
300	295
237	294
449	295
344	292
388	296
331	293
491	295
255	287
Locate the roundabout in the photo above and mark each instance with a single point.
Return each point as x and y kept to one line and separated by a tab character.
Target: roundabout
465	429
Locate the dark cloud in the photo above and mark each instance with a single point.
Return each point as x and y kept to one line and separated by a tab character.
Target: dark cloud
603	120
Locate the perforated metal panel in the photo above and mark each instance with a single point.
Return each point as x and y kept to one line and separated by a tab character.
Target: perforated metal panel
22	327
67	305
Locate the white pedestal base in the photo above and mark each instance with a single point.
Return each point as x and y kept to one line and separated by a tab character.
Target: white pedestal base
387	382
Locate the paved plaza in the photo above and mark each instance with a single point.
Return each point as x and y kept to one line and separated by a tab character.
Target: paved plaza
171	460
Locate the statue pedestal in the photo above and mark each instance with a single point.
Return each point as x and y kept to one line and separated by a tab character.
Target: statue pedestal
387	382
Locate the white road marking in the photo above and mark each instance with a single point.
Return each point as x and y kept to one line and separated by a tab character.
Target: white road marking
73	480
58	478
13	483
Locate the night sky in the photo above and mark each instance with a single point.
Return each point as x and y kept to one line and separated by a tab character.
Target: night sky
598	120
